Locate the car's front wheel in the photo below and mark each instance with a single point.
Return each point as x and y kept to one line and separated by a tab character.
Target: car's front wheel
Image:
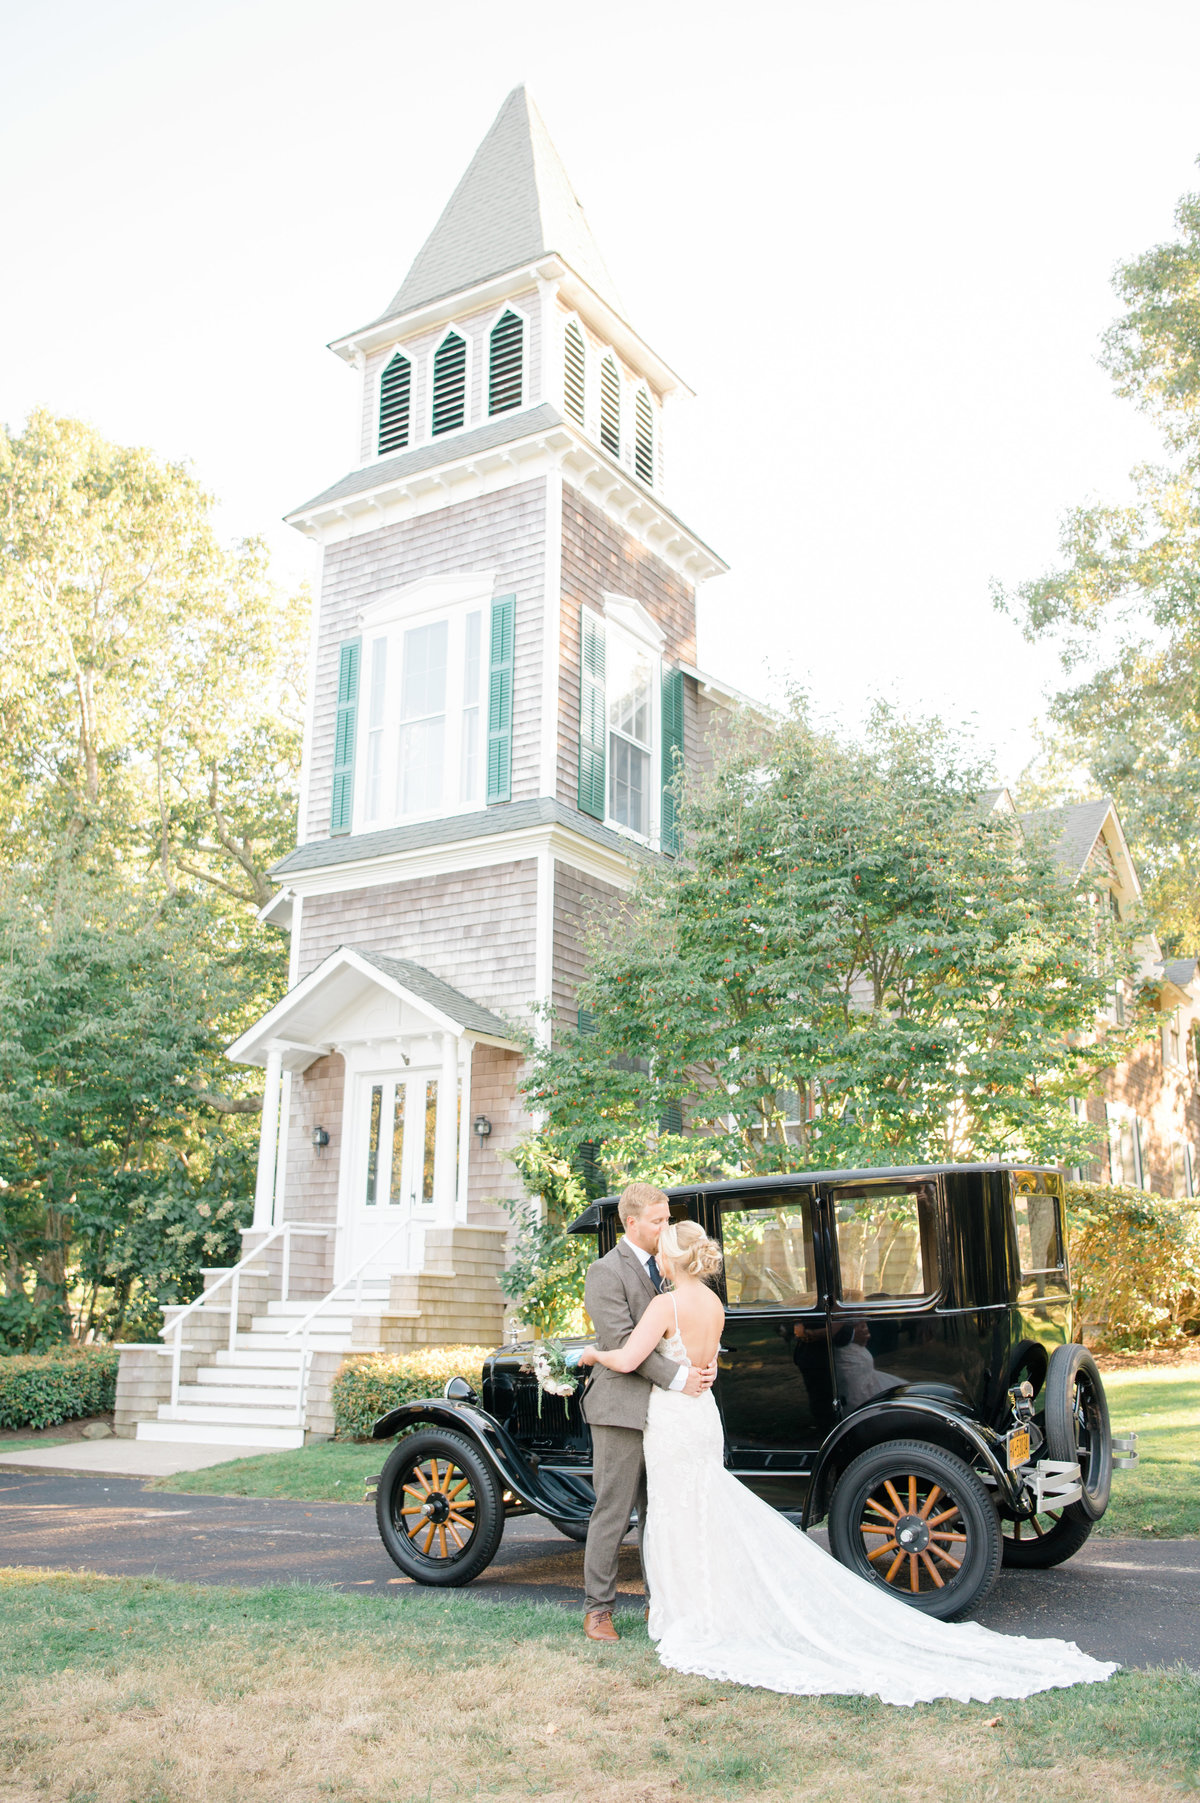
918	1522
440	1509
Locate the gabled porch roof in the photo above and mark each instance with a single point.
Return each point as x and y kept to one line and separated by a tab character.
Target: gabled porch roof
298	1026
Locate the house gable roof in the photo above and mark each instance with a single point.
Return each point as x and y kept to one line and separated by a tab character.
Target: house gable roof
514	204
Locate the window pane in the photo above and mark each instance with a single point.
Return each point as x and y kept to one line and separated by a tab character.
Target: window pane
769	1256
423	712
375	721
376	1110
629	689
1037	1234
397	1194
424	687
470	781
431	1095
628	784
885	1236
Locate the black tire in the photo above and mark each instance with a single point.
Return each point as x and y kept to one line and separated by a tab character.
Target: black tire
440	1509
912	1486
1041	1541
1077	1427
574	1530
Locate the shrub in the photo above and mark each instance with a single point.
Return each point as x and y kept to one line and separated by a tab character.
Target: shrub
368	1385
1135	1266
43	1389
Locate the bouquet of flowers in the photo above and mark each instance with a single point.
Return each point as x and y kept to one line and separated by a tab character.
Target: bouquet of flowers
552	1368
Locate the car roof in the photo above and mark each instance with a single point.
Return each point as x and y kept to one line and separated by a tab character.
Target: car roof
604	1206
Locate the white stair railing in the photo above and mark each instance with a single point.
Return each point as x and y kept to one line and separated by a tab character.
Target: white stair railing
173	1332
301	1329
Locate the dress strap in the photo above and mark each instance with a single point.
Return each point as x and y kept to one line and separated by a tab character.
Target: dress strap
675	1306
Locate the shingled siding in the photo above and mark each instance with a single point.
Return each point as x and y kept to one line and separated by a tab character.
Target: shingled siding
472	928
476	329
598	556
491	1178
312	1178
579	901
503	532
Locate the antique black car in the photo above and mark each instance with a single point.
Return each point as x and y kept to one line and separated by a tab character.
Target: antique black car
897	1360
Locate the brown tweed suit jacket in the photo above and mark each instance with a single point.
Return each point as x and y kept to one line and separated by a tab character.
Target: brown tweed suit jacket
617	1292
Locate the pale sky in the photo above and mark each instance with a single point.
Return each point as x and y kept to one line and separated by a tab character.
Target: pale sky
875	236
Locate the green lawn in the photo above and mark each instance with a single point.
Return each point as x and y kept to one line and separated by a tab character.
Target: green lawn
143	1691
1160	1499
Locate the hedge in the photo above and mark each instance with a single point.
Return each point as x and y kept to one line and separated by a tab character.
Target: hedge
42	1389
367	1386
1135	1266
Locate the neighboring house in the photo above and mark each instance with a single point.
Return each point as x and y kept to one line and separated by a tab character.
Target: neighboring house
1149	1108
504	671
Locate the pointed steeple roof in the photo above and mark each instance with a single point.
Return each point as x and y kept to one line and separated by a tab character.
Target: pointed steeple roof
514	204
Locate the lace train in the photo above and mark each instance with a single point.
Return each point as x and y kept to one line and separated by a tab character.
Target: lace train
740	1595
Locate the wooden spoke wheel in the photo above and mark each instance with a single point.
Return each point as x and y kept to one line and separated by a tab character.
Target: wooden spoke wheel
439	1506
1040	1541
917	1521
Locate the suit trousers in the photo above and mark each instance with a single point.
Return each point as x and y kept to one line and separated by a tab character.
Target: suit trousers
619	1480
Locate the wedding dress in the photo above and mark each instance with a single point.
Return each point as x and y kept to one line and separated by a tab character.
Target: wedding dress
738	1594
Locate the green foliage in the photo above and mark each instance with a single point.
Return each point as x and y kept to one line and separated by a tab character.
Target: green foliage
43	1390
328	1471
1135	1266
854	961
368	1385
1124	605
547	1265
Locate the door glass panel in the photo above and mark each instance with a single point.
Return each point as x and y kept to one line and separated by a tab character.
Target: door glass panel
769	1257
373	1119
431	1094
397	1189
423	717
886	1241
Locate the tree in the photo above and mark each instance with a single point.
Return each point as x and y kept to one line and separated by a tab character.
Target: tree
855	961
1124	607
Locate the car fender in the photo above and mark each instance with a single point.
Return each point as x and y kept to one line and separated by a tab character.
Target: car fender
900	1417
560	1495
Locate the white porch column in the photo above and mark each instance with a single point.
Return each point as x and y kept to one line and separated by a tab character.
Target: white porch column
445	1145
465	1135
268	1140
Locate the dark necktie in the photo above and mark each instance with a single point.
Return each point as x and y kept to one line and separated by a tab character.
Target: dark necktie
654	1273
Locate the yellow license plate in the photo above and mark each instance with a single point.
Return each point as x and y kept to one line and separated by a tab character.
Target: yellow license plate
1018	1450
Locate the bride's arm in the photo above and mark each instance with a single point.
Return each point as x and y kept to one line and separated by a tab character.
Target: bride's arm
641	1342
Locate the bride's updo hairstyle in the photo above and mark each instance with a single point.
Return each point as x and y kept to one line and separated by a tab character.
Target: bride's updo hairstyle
687	1249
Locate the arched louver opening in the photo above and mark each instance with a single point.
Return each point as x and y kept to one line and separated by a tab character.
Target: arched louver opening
643	451
504	368
449	384
610	407
575	372
395	399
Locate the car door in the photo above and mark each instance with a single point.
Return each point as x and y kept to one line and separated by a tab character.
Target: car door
775	1385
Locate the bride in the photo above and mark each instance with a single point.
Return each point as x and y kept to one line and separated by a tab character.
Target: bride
737	1594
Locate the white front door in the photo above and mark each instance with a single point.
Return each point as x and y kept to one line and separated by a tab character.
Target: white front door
392	1173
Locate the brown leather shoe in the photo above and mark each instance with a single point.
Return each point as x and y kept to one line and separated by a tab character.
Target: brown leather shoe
598	1625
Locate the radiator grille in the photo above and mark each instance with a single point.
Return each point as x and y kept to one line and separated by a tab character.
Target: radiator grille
504	371
560	1419
395	394
450	384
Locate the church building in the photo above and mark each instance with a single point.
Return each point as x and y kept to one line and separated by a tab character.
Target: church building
503	674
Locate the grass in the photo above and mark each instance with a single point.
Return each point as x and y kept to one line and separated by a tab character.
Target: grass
26	1443
331	1471
1160	1498
140	1691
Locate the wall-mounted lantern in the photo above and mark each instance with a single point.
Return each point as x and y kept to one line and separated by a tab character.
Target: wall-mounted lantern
482	1126
320	1140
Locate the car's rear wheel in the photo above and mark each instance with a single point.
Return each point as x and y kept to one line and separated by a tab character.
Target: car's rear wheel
439	1506
918	1522
1041	1541
1077	1427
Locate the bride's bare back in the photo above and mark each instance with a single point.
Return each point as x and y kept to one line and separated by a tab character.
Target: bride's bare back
701	1318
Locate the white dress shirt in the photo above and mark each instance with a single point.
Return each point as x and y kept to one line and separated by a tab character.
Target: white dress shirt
681	1375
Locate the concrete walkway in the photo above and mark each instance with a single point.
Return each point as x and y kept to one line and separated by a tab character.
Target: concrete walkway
125	1458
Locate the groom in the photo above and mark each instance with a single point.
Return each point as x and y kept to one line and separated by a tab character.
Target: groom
618	1290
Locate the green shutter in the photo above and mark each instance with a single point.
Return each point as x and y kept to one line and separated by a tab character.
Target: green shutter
341	813
500	700
591	716
672	756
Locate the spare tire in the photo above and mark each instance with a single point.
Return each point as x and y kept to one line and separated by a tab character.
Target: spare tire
1077	1427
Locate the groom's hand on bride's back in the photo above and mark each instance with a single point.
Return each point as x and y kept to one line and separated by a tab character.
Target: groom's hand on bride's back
700	1379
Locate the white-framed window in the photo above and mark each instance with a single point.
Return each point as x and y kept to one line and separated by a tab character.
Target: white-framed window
1125	1146
422	754
449	382
507	357
1174	1044
631	690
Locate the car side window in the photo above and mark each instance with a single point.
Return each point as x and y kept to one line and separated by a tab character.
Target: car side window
887	1241
768	1250
1039	1234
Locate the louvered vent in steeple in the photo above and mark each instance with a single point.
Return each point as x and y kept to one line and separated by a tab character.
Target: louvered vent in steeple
610	407
449	384
643	450
395	398
574	372
504	367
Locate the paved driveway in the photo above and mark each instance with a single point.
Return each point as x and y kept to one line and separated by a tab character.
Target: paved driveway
1136	1601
